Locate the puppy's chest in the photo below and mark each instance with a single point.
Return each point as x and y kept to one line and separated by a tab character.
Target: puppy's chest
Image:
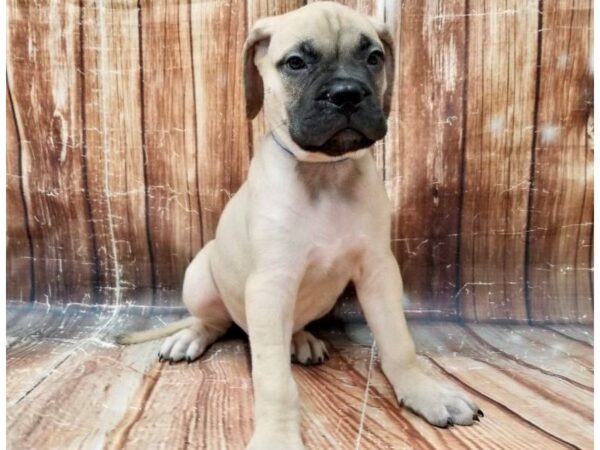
335	239
334	244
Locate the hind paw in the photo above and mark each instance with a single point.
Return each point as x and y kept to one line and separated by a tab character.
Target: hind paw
307	349
188	344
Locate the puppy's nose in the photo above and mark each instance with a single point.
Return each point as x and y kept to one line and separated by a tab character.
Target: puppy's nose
346	95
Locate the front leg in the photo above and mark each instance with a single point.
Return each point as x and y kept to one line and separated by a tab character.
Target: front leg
270	301
379	289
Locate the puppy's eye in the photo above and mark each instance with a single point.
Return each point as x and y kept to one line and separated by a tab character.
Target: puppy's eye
295	63
375	58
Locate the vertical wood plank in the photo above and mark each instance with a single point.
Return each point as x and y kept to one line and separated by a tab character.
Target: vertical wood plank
19	273
560	235
222	133
502	46
170	138
114	138
44	81
423	148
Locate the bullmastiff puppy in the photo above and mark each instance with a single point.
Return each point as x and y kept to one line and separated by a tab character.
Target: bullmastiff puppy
312	216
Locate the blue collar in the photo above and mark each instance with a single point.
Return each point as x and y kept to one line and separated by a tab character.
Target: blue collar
294	156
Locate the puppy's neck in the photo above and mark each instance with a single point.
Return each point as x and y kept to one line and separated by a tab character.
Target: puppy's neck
339	177
291	153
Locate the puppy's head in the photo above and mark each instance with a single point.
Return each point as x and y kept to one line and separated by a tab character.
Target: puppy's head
324	73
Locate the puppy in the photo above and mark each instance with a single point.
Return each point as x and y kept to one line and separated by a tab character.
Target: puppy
312	216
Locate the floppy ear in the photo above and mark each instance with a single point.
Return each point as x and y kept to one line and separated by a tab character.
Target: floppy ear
385	35
253	85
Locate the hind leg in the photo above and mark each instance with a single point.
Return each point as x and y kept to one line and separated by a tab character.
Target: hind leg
201	297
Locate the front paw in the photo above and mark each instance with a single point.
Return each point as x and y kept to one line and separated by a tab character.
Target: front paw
441	405
275	441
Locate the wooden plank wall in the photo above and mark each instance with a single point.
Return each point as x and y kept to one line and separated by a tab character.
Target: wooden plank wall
126	136
500	98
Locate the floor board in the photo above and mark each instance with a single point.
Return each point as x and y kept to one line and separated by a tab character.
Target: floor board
70	387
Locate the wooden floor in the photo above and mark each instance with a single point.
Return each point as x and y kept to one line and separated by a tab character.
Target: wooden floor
69	387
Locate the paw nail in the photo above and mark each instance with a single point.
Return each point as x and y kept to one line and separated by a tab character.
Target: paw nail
450	423
309	361
480	413
476	418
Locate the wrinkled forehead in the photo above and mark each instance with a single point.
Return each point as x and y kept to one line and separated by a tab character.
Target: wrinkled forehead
326	33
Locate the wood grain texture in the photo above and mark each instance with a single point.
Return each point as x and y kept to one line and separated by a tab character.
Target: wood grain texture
192	412
44	86
506	429
523	400
500	99
564	359
111	376
423	161
560	237
127	136
19	257
170	141
218	35
42	339
575	332
65	358
518	389
116	163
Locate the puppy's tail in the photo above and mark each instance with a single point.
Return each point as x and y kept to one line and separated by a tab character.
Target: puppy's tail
138	337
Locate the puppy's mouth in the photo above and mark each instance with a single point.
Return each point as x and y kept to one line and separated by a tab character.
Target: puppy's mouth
343	141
